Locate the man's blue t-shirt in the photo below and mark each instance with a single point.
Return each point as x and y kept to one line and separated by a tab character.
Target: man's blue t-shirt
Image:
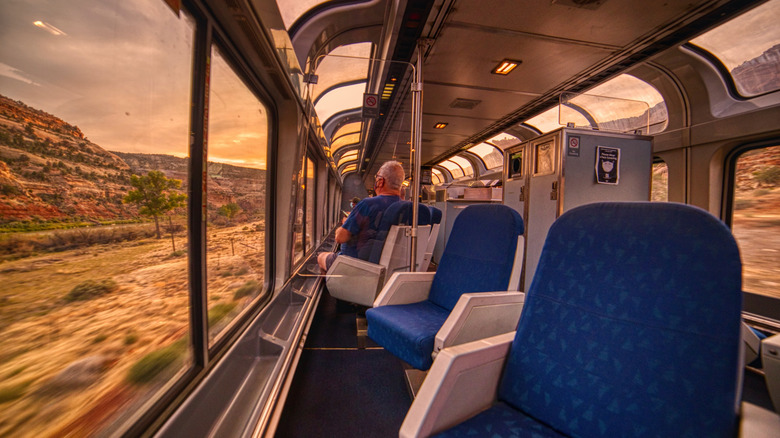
363	223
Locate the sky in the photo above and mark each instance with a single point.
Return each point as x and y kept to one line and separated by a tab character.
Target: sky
121	71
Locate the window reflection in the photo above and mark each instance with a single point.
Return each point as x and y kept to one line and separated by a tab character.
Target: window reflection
755	221
236	196
95	296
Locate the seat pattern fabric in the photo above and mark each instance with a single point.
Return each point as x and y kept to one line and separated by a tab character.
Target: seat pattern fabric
478	258
479	254
631	326
399	213
500	421
409	330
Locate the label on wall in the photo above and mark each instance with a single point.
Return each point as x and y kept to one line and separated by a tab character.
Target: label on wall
607	165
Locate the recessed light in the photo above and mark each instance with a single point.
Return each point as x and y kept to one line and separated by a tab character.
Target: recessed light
440	125
506	66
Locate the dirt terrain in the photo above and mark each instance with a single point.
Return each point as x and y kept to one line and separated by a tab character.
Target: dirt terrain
64	364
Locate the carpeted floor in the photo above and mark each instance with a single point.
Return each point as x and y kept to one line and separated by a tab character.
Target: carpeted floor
339	390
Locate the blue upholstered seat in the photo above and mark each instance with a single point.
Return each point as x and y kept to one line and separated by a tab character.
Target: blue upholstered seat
399	213
435	214
478	257
631	327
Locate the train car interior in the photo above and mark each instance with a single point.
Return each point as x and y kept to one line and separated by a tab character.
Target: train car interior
586	241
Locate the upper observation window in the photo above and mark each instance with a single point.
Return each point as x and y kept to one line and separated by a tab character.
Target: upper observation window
94	144
293	9
349	168
349	156
468	169
235	200
490	155
344	65
344	140
622	104
436	176
749	48
454	168
504	140
339	99
755	219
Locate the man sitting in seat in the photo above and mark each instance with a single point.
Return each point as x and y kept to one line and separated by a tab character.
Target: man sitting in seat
357	234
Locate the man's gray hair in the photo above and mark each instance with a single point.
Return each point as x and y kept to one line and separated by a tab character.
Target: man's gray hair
393	173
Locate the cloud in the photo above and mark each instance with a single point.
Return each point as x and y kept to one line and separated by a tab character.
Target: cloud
10	72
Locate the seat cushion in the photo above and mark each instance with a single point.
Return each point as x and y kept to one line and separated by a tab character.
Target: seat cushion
500	421
407	331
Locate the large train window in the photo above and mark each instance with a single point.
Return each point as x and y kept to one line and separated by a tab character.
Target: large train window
755	219
236	196
747	47
311	191
94	157
659	188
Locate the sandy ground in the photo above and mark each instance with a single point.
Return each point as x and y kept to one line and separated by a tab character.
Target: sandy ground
64	365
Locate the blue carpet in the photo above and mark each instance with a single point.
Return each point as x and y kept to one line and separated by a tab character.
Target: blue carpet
340	391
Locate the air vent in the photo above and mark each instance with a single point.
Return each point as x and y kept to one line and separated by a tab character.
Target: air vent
583	4
464	103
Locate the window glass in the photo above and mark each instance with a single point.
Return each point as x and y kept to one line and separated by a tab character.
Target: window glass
436	176
349	168
344	140
490	155
236	189
94	309
749	48
622	104
339	99
298	218
349	128
659	191
344	64
464	164
755	222
546	121
310	195
455	170
504	140
292	9
349	156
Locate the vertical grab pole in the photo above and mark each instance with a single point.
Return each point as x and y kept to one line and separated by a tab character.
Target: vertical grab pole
422	44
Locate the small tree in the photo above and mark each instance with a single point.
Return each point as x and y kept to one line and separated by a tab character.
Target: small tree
155	195
229	210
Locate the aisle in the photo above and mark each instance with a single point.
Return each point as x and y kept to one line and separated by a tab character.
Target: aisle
339	390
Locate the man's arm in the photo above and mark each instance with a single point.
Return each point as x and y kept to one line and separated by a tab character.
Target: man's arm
342	235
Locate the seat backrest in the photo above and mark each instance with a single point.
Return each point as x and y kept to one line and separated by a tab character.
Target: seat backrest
435	215
399	213
631	325
479	254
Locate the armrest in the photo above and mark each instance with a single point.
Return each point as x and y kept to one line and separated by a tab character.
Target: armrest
756	421
480	315
770	360
354	280
462	382
405	288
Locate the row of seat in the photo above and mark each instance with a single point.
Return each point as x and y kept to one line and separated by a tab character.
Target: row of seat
359	280
631	327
